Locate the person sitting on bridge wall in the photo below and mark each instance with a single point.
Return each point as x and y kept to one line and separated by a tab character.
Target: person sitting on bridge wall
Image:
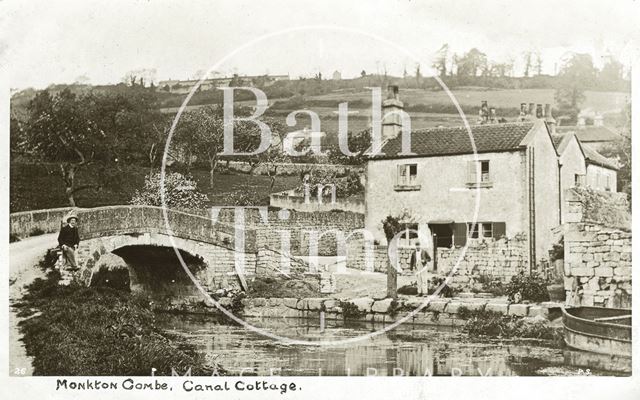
68	239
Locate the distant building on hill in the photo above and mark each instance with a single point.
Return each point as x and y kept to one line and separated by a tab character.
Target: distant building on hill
185	86
337	76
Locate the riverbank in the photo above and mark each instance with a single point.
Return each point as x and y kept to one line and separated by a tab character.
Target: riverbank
73	330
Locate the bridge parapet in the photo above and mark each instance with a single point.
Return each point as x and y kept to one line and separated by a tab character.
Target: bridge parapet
132	219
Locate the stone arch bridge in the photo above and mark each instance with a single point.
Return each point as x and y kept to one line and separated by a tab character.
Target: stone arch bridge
136	233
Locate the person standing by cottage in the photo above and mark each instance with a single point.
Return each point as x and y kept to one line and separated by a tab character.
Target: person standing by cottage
68	239
420	260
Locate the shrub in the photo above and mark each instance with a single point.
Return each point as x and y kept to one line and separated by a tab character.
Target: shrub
36	232
411	289
351	311
13	238
446	291
491	285
180	192
495	324
527	287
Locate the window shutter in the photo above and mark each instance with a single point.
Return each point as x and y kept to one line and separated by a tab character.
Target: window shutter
499	230
460	234
471	171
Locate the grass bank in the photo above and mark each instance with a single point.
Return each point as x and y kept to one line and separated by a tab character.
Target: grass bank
76	330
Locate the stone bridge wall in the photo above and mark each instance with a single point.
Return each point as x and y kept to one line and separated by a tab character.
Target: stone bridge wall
115	220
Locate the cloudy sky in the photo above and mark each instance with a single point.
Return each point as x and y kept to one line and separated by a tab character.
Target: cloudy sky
45	42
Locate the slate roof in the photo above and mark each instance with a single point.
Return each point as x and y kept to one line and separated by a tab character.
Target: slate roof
561	141
455	140
594	157
590	133
590	155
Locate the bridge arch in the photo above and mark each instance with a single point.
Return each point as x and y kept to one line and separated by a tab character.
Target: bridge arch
217	265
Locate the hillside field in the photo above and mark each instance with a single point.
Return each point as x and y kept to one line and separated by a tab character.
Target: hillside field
38	186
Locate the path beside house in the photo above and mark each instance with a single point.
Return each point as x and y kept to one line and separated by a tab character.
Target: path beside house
356	283
23	269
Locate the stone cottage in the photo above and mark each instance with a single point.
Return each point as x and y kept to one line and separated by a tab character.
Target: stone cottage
581	166
504	177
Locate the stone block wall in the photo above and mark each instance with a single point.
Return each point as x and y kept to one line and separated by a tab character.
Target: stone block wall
500	260
292	168
597	261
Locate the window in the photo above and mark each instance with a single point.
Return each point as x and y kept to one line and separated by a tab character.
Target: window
472	230
481	230
578	180
607	186
409	237
481	166
407	177
407	174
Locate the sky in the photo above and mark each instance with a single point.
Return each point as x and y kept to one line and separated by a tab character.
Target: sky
99	42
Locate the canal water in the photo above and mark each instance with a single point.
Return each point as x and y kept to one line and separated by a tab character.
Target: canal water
406	350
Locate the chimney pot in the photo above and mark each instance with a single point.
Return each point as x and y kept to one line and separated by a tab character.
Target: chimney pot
539	111
532	109
392	92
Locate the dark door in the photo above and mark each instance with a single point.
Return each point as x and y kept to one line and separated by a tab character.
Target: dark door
443	234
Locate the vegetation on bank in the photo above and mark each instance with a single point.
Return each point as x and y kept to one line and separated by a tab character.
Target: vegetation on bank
498	325
74	330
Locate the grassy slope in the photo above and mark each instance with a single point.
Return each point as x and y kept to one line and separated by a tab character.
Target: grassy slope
36	186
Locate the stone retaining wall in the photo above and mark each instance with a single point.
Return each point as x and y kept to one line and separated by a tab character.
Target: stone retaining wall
291	200
494	260
597	262
292	168
439	311
497	260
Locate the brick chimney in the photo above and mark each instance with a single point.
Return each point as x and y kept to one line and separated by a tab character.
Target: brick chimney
392	124
523	111
551	122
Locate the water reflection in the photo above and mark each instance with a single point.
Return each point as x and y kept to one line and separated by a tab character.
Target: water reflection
406	350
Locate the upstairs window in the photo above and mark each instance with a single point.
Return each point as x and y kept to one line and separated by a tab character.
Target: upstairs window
485	174
579	180
407	174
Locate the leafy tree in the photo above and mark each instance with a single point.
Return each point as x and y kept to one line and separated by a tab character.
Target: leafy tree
527	63
621	151
391	227
180	192
576	74
471	63
16	134
207	135
359	144
247	139
62	130
538	63
611	75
